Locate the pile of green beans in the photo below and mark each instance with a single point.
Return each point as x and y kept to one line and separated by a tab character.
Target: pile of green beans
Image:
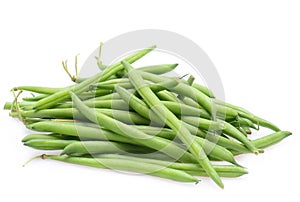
141	120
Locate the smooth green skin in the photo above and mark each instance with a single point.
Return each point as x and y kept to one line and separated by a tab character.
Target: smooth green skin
71	113
227	129
211	149
227	170
39	136
36	98
127	165
204	90
83	131
183	109
85	95
109	104
48	144
38	89
267	140
154	69
158	69
101	147
190	102
125	130
112	86
171	120
64	94
167	96
52	136
221	174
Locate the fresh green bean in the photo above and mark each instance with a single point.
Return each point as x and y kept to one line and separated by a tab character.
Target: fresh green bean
183	109
48	144
204	90
71	113
78	130
38	89
154	69
101	147
227	170
52	136
267	140
126	165
35	98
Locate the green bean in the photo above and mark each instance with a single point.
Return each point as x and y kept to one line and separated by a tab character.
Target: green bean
48	144
63	95
156	143
171	120
38	89
167	96
112	86
101	147
227	170
232	174
52	136
158	69
109	104
157	131
35	98
268	140
126	165
113	82
183	109
191	102
78	130
86	131
204	90
71	113
154	69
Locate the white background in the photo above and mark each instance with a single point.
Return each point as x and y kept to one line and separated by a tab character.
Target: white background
253	44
